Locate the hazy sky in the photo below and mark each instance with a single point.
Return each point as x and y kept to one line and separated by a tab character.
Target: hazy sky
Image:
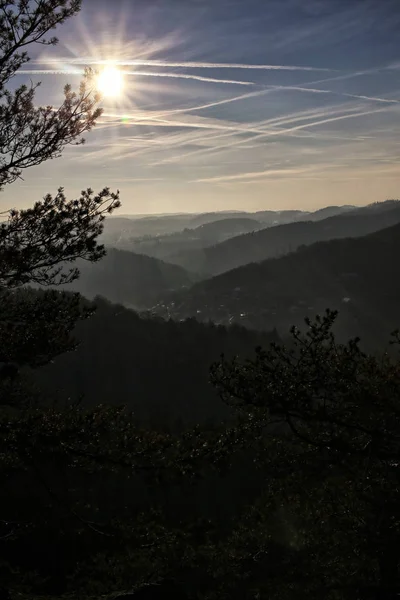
199	128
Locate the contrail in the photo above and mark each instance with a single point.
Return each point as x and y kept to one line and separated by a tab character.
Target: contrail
279	120
274	122
215	80
270	133
186	76
256	174
181	64
300	127
137	73
216	103
270	88
319	91
49	72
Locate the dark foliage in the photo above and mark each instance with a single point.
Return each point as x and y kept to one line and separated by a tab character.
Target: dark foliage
35	327
35	242
160	369
325	422
156	591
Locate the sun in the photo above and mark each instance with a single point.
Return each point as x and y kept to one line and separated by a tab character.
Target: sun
110	81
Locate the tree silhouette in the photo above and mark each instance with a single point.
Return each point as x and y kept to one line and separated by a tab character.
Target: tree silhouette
324	419
34	242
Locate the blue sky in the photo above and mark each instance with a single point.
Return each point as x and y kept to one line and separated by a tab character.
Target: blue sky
231	104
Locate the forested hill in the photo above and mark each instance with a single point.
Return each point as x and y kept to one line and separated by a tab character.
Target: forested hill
357	276
282	239
170	247
160	369
131	279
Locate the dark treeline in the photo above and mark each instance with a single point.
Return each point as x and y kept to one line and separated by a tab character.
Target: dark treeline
159	369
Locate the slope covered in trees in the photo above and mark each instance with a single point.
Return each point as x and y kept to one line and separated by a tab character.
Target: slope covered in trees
358	276
282	239
130	279
173	238
175	245
126	229
160	369
325	212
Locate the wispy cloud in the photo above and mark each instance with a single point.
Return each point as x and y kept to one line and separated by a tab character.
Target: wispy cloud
319	115
336	93
256	174
137	73
331	115
200	107
181	64
187	76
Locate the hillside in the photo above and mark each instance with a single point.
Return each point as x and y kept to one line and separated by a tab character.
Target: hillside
131	279
119	230
228	227
172	246
126	232
359	277
282	239
159	369
327	211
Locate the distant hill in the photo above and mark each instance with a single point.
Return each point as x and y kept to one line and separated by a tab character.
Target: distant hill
119	229
327	211
267	217
282	239
214	217
131	279
168	247
159	369
279	217
359	277
228	227
123	231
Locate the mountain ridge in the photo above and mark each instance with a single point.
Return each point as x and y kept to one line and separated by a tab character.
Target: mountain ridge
357	276
282	239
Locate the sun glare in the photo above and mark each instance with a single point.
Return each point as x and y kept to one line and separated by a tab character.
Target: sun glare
110	82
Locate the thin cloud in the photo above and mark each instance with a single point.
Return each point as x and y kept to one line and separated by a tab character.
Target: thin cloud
187	76
253	175
50	72
208	138
319	91
138	73
270	89
275	122
290	130
216	103
183	64
278	132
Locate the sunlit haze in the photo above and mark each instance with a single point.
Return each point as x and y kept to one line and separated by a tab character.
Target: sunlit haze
215	105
